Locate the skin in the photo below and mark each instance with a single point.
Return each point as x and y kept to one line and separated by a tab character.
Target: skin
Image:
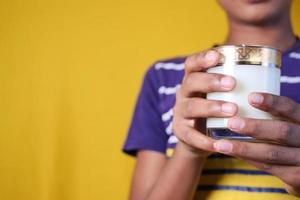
156	177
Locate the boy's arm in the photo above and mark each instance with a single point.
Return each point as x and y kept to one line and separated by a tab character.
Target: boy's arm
156	177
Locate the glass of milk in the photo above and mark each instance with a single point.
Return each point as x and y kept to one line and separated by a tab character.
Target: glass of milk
256	69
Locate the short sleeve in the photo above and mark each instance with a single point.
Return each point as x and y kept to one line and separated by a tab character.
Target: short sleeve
146	131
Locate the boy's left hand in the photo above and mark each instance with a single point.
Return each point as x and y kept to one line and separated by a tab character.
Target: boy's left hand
282	158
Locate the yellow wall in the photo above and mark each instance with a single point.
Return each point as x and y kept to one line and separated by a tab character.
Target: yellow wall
69	75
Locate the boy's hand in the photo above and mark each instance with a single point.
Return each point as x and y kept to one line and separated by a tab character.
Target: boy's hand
282	158
191	108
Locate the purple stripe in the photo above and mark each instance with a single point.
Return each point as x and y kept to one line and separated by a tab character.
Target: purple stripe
242	189
233	171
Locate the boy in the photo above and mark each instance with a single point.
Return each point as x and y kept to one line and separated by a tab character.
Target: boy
164	121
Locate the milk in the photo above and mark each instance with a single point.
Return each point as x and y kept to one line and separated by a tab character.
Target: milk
249	78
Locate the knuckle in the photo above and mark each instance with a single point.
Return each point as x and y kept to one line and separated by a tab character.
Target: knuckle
177	125
271	101
213	108
273	155
290	105
189	107
187	137
284	131
190	61
252	127
200	56
217	77
240	149
177	129
213	82
190	80
266	166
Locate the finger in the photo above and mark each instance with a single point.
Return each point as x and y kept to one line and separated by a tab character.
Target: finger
201	61
288	174
194	138
192	108
206	82
276	105
281	132
262	152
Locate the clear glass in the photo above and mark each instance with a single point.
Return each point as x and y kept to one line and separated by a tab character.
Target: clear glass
249	78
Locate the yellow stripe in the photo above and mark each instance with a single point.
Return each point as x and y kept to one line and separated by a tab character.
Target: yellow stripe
170	152
241	180
238	195
227	163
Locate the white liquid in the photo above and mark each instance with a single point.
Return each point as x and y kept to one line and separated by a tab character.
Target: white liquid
249	78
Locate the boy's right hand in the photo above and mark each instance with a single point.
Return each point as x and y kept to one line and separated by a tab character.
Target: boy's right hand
191	108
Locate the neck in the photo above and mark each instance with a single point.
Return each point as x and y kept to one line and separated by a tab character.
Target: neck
278	35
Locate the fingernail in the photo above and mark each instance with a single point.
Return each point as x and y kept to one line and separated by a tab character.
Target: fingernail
227	82
223	146
256	98
236	124
228	108
211	56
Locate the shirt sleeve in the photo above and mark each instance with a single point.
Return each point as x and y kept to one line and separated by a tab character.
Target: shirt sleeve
146	131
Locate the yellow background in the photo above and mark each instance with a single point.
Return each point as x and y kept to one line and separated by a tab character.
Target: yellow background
70	71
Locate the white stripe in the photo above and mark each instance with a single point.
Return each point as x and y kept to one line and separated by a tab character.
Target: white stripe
294	55
169	128
169	66
168	90
173	139
167	115
290	79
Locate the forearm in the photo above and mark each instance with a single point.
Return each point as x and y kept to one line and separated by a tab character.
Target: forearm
179	177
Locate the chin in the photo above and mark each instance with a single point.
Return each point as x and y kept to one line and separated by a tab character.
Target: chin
256	11
258	15
259	19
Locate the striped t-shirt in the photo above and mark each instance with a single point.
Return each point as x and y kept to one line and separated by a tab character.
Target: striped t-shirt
223	177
